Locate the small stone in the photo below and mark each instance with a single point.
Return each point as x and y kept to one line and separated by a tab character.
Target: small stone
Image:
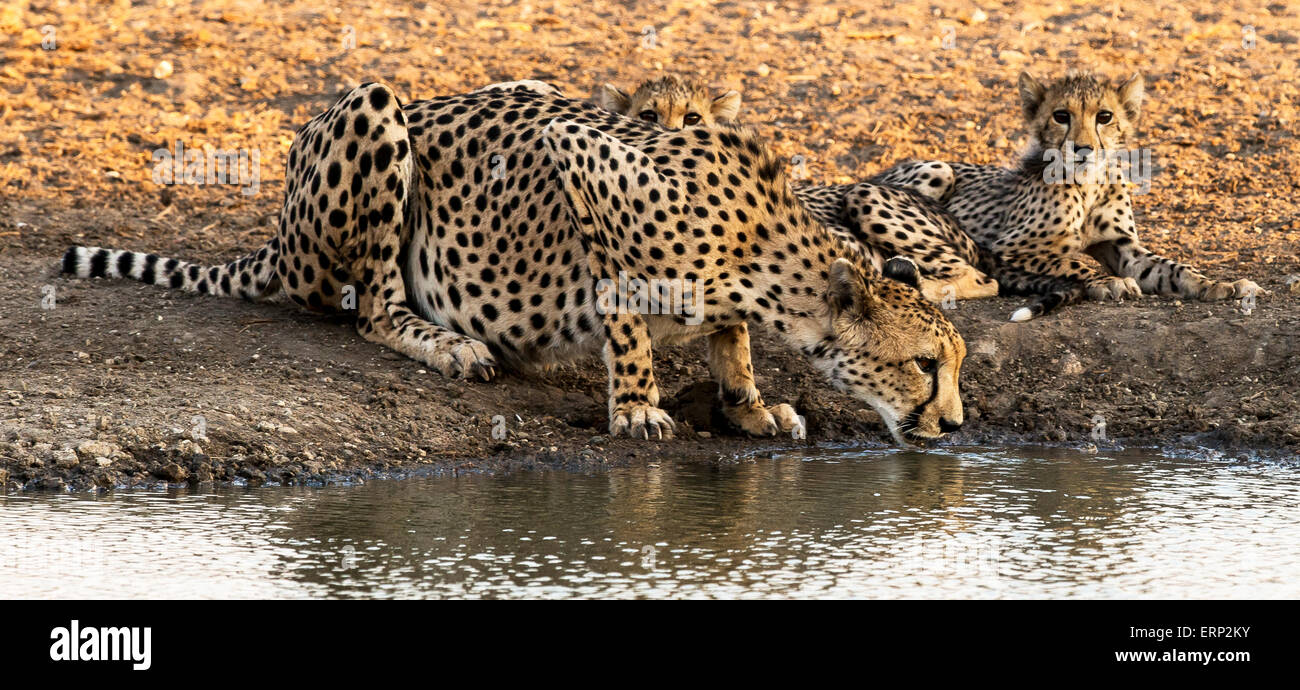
287	430
1070	365
764	70
162	70
172	472
186	448
65	458
92	451
704	434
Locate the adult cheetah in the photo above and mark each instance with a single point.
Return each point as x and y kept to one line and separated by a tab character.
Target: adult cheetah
488	228
1037	223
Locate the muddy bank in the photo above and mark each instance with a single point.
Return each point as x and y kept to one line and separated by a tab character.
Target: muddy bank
127	385
121	384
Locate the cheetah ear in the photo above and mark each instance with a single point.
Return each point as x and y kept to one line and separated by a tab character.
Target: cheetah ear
1131	94
613	99
847	289
903	270
727	106
1031	94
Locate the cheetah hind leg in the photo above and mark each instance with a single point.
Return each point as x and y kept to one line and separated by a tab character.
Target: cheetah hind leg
452	354
384	316
932	179
741	403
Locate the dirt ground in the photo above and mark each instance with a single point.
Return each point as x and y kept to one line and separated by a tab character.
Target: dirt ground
120	384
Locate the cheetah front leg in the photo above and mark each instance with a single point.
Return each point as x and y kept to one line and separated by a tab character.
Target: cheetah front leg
633	394
1158	275
741	403
1038	272
1113	241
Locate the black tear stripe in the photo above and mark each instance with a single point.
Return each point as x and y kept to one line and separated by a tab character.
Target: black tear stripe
914	417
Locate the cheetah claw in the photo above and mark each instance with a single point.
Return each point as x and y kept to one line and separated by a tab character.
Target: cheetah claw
757	420
1114	287
1226	290
471	360
639	421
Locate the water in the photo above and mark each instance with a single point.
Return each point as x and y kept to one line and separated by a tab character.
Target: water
852	523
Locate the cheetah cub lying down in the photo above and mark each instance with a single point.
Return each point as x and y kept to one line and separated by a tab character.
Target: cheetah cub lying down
507	227
1037	223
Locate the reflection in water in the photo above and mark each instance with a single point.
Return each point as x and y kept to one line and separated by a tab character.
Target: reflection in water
853	523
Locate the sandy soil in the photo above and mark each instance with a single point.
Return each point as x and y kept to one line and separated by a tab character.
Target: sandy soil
122	384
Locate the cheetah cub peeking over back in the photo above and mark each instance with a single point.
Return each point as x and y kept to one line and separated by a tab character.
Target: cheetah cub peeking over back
671	102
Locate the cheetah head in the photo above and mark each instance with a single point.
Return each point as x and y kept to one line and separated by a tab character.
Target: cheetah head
671	103
891	348
1080	115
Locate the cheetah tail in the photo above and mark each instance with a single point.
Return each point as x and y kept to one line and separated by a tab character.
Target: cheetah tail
252	277
1061	296
1050	292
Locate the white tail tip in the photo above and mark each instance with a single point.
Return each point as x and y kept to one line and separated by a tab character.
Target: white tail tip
1022	314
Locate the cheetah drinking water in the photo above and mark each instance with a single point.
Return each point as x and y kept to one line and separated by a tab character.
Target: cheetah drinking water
486	229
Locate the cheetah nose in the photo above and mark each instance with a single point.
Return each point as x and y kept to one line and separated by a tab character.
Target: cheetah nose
948	427
1083	152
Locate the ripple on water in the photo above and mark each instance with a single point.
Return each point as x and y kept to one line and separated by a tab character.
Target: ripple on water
841	523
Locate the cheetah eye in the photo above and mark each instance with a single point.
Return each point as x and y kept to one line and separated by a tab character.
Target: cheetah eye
649	116
927	365
1104	117
691	119
1062	116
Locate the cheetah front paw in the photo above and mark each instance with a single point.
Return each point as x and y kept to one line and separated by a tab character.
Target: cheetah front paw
759	420
1241	288
1113	287
468	358
641	421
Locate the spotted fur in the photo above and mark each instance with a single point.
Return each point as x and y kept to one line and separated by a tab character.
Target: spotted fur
475	228
892	214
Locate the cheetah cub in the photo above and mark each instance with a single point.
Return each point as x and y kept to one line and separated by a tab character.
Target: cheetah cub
1037	223
671	102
